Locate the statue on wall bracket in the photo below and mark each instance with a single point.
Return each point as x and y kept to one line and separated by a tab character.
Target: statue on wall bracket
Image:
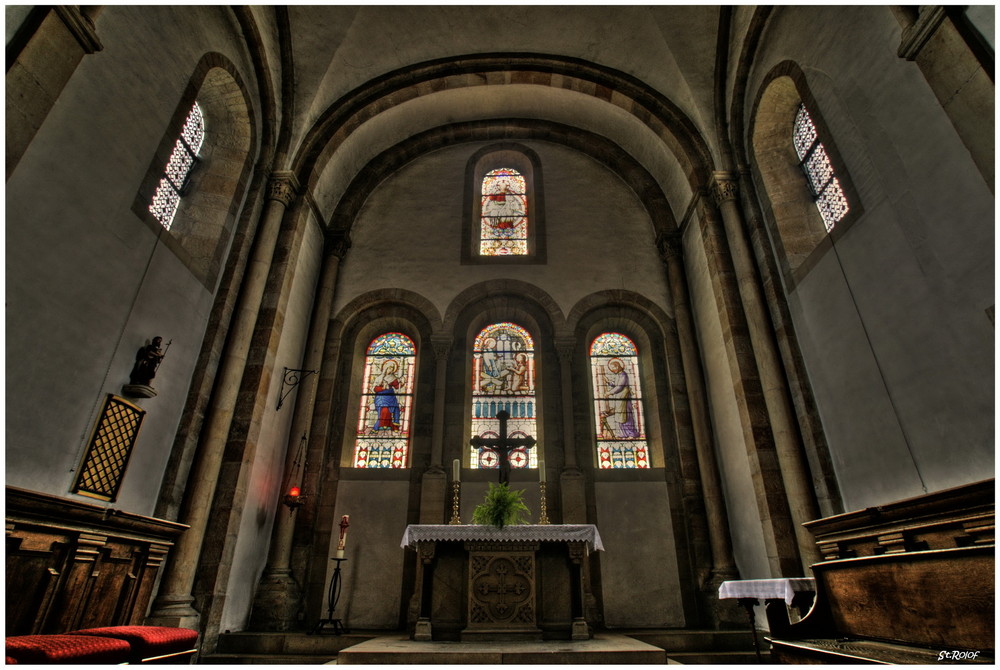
147	360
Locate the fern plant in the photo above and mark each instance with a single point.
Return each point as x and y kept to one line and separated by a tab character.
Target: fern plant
503	507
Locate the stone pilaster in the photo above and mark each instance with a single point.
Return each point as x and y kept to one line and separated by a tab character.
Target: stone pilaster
434	485
572	484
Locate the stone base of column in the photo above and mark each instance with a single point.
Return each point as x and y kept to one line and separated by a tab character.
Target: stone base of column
277	603
434	502
574	496
724	614
174	611
422	632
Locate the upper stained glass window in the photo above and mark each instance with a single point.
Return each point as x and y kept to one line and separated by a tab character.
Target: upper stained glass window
504	214
185	154
386	413
621	430
823	183
503	378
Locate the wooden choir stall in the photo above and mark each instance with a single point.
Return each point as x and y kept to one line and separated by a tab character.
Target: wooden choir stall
476	582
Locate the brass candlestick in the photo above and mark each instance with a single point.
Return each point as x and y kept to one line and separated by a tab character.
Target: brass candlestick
543	515
455	519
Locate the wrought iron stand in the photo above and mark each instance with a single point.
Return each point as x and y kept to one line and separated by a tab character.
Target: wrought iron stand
336	585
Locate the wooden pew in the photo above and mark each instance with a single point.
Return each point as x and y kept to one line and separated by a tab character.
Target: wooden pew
909	582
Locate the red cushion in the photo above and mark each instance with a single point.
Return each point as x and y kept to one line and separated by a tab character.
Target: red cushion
148	641
67	649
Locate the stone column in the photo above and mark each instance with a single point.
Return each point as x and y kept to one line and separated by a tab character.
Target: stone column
784	427
278	597
434	485
723	566
571	480
173	607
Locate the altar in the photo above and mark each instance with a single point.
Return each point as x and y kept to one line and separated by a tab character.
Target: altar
483	583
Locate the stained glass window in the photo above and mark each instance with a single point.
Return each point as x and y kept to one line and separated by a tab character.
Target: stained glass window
503	378
504	214
621	430
383	435
185	154
823	183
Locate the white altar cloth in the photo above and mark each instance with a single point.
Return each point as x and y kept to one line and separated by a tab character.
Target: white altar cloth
767	588
584	532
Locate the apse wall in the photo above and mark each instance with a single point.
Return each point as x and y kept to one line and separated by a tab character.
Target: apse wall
894	321
409	233
95	281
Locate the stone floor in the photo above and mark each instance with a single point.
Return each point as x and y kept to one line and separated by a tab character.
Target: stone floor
603	648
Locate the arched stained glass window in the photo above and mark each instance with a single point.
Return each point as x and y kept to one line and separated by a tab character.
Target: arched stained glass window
503	378
182	159
504	214
825	187
621	429
383	436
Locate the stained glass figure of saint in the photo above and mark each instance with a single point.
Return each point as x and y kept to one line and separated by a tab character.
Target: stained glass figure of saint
383	433
621	438
503	378
504	214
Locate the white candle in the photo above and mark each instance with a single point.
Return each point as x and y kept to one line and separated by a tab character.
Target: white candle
541	470
340	553
456	470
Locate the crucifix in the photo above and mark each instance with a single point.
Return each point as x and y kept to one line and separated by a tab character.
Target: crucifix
503	445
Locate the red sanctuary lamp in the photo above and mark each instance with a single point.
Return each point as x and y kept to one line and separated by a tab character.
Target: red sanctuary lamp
294	499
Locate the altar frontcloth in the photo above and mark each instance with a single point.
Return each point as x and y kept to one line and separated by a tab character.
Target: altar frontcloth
767	589
521	533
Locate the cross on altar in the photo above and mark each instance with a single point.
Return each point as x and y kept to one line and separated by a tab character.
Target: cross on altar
503	445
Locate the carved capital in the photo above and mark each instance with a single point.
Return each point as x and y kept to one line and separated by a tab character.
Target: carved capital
283	187
913	38
724	187
425	550
669	246
564	348
337	243
441	345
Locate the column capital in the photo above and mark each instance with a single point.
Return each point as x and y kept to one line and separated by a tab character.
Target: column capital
283	187
441	345
724	186
338	242
669	246
565	346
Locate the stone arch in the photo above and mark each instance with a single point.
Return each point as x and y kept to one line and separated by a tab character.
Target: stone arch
649	106
218	183
797	229
496	291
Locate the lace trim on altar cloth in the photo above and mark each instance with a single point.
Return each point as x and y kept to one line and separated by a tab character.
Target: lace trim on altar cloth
533	533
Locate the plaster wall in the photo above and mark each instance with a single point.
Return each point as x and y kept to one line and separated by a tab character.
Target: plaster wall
373	572
409	233
745	524
640	582
94	283
892	321
264	489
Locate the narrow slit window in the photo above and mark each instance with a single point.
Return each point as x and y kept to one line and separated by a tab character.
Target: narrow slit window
823	183
504	214
503	378
178	171
621	426
383	434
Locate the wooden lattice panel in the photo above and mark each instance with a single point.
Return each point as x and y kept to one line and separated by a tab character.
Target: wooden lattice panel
103	466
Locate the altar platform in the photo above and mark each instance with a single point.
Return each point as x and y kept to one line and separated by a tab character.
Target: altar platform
602	648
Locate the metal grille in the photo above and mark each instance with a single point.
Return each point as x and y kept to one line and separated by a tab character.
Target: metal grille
107	457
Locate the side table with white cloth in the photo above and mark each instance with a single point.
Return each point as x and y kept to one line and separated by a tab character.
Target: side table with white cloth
478	582
778	595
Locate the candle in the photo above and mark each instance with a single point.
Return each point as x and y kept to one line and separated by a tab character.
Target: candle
456	470
541	470
345	522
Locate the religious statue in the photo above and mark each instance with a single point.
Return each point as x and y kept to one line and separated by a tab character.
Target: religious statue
147	360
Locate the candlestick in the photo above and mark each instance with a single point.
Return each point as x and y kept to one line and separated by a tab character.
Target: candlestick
455	519
543	515
456	471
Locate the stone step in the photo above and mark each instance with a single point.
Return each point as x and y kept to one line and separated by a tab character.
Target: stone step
288	643
265	659
696	640
717	658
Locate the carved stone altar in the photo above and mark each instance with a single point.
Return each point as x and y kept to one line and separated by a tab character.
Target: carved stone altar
482	583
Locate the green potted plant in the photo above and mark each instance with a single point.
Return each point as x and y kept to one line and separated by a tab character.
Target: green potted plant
502	507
